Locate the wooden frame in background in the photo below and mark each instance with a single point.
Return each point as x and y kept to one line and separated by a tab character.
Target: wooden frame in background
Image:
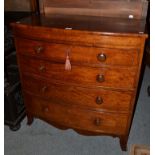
34	4
108	8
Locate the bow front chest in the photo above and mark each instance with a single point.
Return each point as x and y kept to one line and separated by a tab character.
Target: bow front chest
81	73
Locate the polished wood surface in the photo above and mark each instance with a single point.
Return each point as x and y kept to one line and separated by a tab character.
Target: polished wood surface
122	78
70	116
57	53
101	86
91	25
61	93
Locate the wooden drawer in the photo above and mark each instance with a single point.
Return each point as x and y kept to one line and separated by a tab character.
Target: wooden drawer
104	100
76	37
70	116
79	75
78	54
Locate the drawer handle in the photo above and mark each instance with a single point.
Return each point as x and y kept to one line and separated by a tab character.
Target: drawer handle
68	63
99	100
100	78
44	89
101	57
39	49
42	68
97	121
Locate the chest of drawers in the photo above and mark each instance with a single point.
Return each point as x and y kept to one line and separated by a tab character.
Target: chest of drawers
96	95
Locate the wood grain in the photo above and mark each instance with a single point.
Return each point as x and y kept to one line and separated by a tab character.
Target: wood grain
108	123
57	53
122	78
113	101
86	30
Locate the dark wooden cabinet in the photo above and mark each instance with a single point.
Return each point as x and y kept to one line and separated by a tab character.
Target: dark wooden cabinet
81	72
14	109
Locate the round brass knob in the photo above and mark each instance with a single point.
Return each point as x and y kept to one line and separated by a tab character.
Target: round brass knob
101	57
100	78
99	100
42	68
39	49
97	121
44	89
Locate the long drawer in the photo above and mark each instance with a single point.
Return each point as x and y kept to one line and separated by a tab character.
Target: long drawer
78	37
76	118
78	54
99	99
103	77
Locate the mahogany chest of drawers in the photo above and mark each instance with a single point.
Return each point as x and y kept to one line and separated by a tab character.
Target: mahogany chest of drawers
79	73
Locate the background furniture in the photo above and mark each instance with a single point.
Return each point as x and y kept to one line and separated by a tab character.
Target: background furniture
14	110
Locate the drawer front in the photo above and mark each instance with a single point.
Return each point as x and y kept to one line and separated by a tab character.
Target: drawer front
85	76
78	54
104	100
78	37
69	116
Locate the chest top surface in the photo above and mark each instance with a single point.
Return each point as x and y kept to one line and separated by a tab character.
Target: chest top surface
99	25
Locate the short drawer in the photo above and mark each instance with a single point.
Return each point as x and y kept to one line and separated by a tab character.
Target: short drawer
104	100
69	116
78	54
79	75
